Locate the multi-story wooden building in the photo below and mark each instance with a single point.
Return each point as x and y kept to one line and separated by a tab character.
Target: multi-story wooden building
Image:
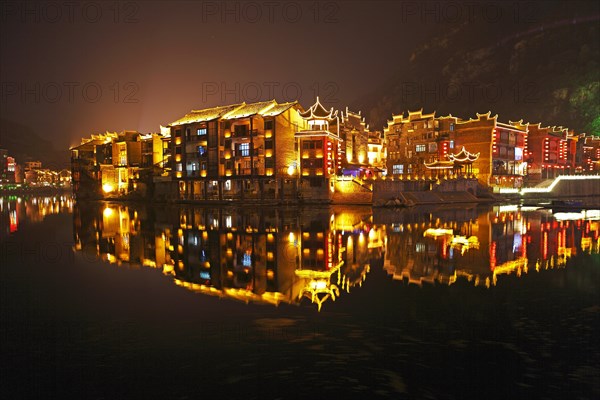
591	154
318	151
549	152
238	151
497	149
114	164
501	147
354	144
416	139
376	151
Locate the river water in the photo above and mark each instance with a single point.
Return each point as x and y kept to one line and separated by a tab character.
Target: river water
129	300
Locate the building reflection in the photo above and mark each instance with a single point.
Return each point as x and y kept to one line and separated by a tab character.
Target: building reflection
16	211
443	245
290	255
265	255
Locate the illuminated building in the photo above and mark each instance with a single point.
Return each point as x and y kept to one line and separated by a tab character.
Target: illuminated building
115	164
376	151
319	150
8	168
501	148
236	152
35	175
353	157
591	154
548	150
416	139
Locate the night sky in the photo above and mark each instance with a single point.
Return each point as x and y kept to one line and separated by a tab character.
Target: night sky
155	61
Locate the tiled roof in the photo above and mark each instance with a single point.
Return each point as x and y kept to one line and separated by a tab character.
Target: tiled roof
233	111
208	114
278	109
247	110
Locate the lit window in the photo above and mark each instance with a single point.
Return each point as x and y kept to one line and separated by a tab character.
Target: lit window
201	150
245	149
420	148
201	131
451	144
247	259
397	169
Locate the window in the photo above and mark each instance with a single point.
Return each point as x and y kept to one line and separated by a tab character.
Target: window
452	127
269	124
178	150
201	131
244	149
420	148
201	150
247	259
397	169
269	162
312	144
432	147
178	133
241	130
268	144
451	144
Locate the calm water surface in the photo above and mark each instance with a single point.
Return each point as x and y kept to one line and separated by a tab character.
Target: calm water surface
119	301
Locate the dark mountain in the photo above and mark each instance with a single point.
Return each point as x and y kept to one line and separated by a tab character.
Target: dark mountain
26	145
546	72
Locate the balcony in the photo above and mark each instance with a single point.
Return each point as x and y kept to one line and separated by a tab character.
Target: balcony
244	133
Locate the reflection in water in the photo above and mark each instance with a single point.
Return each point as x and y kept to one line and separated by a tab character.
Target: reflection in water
480	246
15	211
262	255
274	255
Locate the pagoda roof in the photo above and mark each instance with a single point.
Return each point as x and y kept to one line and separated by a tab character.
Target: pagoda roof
440	164
317	111
463	156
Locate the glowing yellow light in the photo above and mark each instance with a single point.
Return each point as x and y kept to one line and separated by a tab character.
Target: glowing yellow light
291	237
107	187
107	212
291	170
